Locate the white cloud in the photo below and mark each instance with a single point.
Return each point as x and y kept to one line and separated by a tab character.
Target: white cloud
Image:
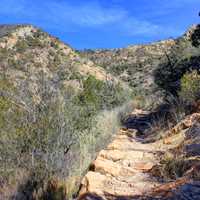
135	27
63	15
96	16
90	14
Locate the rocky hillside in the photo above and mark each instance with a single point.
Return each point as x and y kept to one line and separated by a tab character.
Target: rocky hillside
136	64
50	104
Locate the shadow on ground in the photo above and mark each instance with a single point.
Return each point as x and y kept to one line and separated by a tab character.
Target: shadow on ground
145	123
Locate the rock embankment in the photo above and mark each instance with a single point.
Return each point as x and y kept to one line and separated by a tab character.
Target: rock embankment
124	170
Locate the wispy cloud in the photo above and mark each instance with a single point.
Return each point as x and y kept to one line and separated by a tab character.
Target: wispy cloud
90	14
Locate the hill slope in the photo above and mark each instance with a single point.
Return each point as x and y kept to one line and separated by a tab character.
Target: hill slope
136	64
50	109
133	64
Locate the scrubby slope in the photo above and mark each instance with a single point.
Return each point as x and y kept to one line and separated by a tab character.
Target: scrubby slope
136	64
58	109
50	103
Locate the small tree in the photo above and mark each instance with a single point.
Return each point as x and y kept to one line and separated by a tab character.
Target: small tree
190	87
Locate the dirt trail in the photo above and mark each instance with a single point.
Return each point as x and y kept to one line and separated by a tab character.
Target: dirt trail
122	169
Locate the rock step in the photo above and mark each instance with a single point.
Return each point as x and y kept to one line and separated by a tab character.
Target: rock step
124	142
120	169
130	155
103	185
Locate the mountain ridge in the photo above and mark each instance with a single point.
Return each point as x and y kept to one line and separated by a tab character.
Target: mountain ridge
136	64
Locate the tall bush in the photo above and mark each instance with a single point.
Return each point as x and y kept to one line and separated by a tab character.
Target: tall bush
190	87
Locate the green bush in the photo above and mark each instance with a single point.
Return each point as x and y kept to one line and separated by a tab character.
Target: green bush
102	95
169	73
60	136
90	94
190	87
21	46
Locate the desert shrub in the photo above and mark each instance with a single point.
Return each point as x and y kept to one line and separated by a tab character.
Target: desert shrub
59	136
39	34
4	53
168	75
90	94
21	46
54	44
102	95
190	87
172	168
183	58
29	42
195	37
34	42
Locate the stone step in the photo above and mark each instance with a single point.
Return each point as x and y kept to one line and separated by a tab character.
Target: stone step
103	185
134	155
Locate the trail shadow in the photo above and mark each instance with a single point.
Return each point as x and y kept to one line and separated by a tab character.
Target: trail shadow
35	188
26	189
145	123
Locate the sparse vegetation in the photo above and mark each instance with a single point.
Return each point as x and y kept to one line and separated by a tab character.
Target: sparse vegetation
51	130
190	87
174	168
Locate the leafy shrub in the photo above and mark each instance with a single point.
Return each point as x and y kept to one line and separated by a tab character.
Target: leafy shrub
190	87
21	46
101	95
195	37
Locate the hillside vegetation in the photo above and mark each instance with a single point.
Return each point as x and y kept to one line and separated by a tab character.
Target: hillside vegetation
149	69
53	104
59	107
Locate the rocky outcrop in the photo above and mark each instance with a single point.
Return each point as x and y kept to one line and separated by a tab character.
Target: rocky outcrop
125	169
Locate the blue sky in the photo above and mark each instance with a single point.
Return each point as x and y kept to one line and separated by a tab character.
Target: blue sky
104	23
